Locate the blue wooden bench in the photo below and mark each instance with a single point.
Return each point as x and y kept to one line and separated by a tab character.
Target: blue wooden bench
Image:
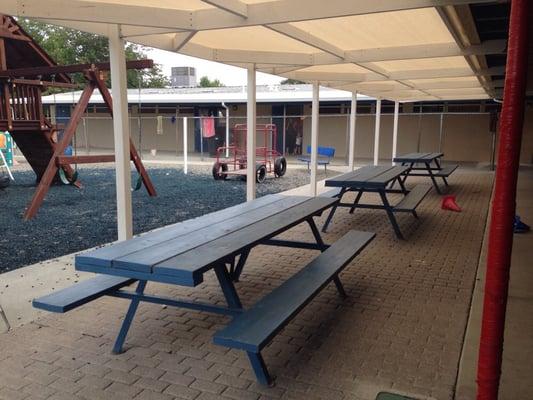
325	155
81	293
411	201
252	330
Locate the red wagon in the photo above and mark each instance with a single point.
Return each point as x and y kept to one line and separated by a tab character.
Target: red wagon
268	159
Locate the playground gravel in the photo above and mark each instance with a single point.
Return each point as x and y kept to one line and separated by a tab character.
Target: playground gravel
73	219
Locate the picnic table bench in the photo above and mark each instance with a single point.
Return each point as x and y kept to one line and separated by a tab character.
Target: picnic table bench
375	179
324	156
182	253
413	160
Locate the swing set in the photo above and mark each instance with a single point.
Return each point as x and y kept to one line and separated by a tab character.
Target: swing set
30	72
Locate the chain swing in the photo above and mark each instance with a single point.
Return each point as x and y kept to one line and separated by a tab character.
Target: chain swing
139	181
69	179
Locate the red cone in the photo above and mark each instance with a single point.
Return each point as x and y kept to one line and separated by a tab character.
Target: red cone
448	203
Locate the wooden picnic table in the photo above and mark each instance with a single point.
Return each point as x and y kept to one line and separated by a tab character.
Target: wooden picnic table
420	164
375	179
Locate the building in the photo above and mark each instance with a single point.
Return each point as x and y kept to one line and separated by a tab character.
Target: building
464	130
183	77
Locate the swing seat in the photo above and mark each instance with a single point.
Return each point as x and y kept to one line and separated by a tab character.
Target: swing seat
138	184
65	179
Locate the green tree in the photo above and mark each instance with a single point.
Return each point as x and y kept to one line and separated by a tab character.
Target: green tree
70	46
206	82
291	82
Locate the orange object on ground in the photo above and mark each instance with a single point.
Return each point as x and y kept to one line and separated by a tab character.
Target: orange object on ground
448	203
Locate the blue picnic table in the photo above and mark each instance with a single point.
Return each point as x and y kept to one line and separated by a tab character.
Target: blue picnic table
426	164
181	254
375	179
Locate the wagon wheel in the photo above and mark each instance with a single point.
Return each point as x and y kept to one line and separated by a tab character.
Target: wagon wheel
280	166
260	173
218	171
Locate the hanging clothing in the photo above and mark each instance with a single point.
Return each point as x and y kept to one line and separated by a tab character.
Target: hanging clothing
208	127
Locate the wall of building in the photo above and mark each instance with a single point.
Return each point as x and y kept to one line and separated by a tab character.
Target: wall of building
466	137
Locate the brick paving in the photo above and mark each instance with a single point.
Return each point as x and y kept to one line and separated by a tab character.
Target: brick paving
401	327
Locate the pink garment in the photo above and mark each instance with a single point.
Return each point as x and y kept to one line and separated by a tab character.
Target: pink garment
208	127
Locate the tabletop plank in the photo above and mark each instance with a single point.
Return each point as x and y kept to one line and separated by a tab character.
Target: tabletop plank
144	259
195	262
372	176
104	255
384	178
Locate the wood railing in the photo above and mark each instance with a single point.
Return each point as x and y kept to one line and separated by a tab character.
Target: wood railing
20	102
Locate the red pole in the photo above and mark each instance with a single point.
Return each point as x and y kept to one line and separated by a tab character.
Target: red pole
503	206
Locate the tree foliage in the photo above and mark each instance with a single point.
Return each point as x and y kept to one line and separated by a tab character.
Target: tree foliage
70	46
206	82
291	82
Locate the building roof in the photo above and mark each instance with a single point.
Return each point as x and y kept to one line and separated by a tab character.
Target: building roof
228	94
404	50
22	51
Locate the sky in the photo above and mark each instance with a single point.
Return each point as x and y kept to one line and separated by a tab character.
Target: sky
228	75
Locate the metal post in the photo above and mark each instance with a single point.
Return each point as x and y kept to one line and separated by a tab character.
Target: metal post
353	117
227	128
440	131
395	130
500	241
285	127
121	130
185	146
376	131
419	128
314	135
250	134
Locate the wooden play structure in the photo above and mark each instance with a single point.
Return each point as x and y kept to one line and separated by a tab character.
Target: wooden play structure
25	71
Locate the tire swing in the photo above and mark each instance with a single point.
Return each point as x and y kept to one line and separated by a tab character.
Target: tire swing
139	181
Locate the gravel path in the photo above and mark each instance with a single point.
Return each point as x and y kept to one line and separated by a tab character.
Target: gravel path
71	220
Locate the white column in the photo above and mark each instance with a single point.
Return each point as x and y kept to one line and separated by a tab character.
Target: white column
395	130
250	136
376	131
351	149
121	132
314	136
185	146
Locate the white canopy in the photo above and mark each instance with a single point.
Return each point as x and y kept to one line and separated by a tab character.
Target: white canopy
403	50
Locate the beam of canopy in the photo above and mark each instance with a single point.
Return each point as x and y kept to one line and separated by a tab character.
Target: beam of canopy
402	50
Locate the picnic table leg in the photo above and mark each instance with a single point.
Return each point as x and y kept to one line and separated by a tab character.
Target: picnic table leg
356	201
402	186
227	287
430	172
333	209
437	162
340	287
316	234
260	369
240	265
390	213
128	319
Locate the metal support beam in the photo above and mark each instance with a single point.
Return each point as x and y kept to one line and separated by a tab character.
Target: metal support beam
353	117
185	147
376	131
314	136
500	241
250	134
395	130
121	130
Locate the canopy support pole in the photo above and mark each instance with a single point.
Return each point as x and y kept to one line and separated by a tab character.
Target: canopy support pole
121	133
376	131
250	134
314	136
185	147
395	130
353	116
503	205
